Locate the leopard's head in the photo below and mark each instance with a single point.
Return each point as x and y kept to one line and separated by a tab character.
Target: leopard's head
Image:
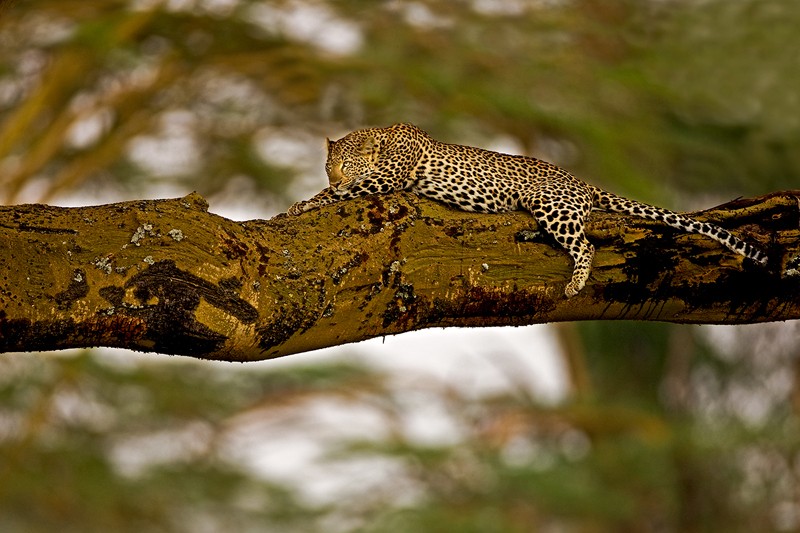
351	158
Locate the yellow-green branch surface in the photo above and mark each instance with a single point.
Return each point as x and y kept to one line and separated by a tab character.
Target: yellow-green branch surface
170	277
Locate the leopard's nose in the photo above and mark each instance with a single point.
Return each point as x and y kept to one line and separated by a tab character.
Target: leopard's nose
335	175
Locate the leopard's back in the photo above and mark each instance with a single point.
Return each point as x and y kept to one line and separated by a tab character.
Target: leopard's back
474	179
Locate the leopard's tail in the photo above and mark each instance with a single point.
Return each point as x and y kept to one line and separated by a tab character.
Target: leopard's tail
611	202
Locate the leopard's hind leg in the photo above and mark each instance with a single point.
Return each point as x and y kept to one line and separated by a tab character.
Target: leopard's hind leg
564	219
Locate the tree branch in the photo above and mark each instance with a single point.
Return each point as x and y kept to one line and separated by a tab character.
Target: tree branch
167	276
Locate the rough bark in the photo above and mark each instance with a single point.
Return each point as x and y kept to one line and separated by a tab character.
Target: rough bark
168	276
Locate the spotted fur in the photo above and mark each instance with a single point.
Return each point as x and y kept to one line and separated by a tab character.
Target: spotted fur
403	157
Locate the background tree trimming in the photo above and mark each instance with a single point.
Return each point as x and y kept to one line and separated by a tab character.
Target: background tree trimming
684	103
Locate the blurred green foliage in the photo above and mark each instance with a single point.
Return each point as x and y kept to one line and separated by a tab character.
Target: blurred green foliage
96	443
639	96
667	429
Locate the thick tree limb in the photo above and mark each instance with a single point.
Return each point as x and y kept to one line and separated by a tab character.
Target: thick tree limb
168	276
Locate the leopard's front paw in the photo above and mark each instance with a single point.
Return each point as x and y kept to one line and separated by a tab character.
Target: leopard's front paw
298	208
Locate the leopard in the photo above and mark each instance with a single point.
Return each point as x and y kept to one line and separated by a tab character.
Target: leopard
403	157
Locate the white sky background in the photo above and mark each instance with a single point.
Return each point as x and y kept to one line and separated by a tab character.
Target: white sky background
476	361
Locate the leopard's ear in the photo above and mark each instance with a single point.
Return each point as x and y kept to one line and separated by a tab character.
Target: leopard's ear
328	145
370	148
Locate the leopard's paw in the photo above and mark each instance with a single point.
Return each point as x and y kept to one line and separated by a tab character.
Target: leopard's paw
573	288
298	208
